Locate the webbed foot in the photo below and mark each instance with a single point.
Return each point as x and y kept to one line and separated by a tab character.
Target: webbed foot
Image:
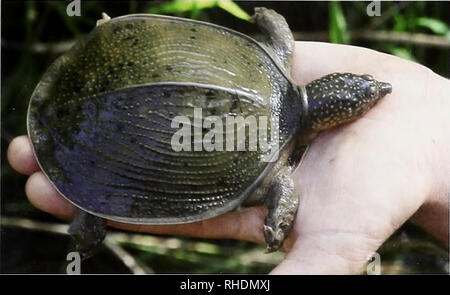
88	231
279	37
282	202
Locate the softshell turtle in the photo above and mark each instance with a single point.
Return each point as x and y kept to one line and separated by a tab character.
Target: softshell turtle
101	122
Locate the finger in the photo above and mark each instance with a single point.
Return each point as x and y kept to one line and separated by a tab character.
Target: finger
245	224
364	199
20	156
42	195
311	256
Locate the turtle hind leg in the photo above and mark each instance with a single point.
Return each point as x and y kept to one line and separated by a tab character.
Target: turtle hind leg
279	38
282	202
88	231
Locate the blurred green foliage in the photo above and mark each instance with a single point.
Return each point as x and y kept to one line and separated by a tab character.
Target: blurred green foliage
401	17
436	26
338	25
33	34
195	7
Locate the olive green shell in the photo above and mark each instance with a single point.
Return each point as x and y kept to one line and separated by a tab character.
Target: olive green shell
100	119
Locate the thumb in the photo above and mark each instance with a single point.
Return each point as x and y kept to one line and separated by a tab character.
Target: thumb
314	254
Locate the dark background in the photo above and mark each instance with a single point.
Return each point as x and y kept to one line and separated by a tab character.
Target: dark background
34	33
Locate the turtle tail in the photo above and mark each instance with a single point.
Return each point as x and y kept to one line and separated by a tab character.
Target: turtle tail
88	231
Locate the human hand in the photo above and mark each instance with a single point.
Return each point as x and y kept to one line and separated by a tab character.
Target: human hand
358	183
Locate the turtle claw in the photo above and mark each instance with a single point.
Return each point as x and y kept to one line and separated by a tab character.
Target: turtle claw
269	250
273	244
268	232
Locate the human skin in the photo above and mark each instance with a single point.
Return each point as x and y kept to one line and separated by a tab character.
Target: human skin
357	184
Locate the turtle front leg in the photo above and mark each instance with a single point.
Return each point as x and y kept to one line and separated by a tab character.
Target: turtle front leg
88	231
279	37
282	202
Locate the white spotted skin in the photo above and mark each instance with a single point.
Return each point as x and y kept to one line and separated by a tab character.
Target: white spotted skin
342	97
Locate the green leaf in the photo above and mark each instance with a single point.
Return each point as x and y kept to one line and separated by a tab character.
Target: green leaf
196	6
196	11
233	9
338	26
399	23
402	52
435	25
179	6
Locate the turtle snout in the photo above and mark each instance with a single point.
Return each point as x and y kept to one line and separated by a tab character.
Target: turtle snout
275	236
384	88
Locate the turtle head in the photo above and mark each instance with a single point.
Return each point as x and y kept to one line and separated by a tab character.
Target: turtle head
340	98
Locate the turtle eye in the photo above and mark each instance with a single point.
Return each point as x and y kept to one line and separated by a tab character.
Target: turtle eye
371	90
